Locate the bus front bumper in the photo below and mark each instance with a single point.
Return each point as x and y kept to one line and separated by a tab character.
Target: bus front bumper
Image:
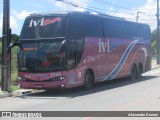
43	85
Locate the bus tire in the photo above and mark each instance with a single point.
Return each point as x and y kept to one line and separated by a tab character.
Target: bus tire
133	74
140	71
89	80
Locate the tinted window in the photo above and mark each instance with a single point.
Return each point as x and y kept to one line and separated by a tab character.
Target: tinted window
132	30
75	39
43	57
100	30
90	26
122	29
75	50
109	28
71	54
114	28
44	27
146	32
75	26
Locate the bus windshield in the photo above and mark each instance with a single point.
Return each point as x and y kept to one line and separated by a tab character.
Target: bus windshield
44	27
43	56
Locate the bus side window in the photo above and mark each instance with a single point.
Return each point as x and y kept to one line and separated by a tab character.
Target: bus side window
106	32
100	30
111	28
146	33
90	26
75	39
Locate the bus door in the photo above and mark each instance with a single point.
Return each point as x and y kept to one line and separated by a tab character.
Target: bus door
74	44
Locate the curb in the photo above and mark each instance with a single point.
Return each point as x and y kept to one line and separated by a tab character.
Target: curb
15	93
155	67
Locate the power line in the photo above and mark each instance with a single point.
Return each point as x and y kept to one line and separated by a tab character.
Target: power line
154	24
108	3
125	1
102	2
91	8
94	9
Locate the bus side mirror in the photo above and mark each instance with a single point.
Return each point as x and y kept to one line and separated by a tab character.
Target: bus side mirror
8	53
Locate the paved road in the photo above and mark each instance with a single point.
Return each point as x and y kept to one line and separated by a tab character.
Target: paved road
118	95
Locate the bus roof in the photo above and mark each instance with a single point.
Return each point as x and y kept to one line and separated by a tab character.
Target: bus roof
65	13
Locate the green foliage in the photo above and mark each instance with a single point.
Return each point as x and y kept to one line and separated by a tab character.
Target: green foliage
14	64
14	58
0	52
154	35
13	88
14	38
154	42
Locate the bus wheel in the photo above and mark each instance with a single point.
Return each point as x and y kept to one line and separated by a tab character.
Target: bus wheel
88	83
133	74
140	70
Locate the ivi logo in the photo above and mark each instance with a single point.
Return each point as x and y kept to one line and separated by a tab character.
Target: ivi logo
27	76
107	46
35	23
43	21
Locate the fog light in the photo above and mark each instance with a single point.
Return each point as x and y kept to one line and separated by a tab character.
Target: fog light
61	78
19	78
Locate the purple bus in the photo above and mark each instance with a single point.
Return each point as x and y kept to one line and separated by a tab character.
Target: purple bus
66	50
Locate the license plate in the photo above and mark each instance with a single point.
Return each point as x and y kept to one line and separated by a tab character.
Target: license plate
39	86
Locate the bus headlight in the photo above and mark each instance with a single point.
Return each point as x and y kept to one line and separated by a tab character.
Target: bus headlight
58	78
62	78
20	78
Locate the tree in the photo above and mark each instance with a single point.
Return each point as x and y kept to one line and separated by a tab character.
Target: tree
154	42
0	52
14	37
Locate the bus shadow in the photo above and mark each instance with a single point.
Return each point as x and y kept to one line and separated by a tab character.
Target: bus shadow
116	83
77	92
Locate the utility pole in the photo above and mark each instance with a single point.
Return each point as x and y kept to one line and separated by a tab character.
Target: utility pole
138	15
158	42
6	38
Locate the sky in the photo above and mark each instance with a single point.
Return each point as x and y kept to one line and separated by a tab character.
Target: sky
20	9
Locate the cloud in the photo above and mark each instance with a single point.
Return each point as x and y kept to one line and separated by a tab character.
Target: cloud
22	14
1	17
66	7
13	23
146	15
149	15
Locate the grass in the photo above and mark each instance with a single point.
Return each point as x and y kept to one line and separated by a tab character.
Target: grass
14	75
1	92
13	88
